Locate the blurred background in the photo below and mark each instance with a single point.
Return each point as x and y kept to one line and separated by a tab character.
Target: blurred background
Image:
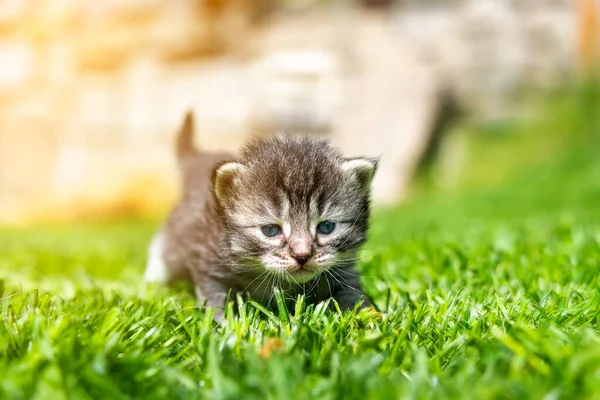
449	93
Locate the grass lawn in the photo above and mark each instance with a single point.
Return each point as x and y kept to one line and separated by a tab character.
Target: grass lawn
489	292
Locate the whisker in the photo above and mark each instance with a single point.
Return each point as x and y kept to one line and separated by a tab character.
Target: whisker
270	280
254	280
292	277
344	283
327	280
273	289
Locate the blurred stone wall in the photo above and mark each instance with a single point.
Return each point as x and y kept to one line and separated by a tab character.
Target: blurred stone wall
487	50
91	93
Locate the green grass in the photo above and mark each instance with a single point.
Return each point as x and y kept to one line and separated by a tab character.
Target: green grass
488	292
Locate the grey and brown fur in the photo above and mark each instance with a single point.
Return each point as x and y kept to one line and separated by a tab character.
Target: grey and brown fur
214	235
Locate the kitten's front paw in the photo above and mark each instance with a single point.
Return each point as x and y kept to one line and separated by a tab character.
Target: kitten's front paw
219	316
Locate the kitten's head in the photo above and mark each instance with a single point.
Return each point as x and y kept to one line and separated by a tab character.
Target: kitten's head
293	205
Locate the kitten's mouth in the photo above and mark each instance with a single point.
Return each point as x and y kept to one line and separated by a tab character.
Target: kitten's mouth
302	274
302	271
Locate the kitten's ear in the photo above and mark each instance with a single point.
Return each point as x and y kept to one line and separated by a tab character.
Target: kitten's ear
224	177
363	169
185	137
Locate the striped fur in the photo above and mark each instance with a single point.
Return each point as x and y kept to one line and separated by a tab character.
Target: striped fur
214	236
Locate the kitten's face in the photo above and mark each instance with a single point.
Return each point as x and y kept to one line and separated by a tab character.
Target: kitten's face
294	207
297	240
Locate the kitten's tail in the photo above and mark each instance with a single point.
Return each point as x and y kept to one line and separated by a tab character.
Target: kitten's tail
185	137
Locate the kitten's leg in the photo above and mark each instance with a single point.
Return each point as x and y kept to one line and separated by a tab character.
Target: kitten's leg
156	269
348	290
213	294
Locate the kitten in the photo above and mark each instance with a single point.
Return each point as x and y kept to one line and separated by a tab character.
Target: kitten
289	212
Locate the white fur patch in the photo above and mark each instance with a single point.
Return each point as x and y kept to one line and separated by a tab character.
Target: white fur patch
287	229
361	164
156	269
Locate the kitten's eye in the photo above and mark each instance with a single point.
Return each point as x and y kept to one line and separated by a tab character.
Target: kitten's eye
271	230
326	227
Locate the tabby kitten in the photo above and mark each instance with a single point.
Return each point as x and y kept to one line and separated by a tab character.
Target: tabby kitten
288	212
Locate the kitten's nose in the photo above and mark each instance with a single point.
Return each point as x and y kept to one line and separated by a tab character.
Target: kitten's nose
301	259
301	250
